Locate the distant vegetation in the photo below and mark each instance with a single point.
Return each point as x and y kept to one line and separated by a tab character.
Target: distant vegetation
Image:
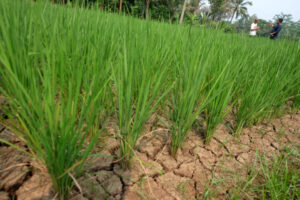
227	15
291	29
65	71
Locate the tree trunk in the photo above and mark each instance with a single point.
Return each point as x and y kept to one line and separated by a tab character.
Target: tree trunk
121	3
147	9
182	12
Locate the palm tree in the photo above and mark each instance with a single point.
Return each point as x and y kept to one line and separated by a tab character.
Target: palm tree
239	8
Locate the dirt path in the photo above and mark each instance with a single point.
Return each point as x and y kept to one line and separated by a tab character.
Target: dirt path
155	174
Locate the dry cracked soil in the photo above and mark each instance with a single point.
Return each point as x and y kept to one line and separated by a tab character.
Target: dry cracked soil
154	173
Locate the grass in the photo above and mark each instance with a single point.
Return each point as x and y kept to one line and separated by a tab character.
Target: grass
275	179
65	70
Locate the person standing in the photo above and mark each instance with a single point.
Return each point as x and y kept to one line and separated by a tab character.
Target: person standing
276	29
254	28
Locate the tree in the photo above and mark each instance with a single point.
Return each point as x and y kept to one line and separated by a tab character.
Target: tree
182	12
195	5
217	9
147	8
290	29
120	7
172	6
287	18
239	8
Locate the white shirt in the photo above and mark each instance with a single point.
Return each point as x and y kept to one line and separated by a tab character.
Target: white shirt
253	26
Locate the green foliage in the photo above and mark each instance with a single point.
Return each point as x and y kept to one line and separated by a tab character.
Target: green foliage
275	179
64	70
186	93
55	87
290	28
239	8
265	87
216	109
217	8
138	78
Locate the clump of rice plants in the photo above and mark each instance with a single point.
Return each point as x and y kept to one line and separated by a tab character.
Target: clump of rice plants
264	88
218	107
64	70
139	81
55	90
190	76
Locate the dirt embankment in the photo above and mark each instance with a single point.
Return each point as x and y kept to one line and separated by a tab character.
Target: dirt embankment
154	174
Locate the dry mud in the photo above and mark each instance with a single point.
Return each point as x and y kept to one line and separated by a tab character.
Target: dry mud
154	173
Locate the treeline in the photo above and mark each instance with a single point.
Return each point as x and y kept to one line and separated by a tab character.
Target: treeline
176	11
227	15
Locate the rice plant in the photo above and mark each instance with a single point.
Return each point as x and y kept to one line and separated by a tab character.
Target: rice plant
265	87
190	76
138	79
64	70
53	88
218	107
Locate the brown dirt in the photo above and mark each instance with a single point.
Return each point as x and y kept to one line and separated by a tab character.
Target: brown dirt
154	174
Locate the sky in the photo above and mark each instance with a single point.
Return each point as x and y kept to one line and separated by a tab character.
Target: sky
267	9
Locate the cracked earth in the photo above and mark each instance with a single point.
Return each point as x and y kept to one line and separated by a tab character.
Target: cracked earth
154	173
